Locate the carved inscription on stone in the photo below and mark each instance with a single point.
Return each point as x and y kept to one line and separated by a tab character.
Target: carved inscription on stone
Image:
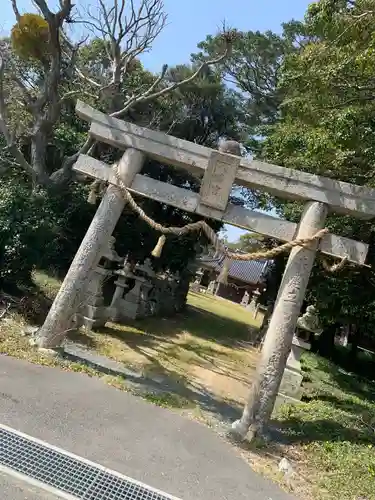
218	179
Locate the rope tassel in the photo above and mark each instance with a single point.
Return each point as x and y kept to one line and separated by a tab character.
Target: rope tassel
159	246
223	276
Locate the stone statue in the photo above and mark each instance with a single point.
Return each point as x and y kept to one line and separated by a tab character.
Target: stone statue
127	267
310	321
245	299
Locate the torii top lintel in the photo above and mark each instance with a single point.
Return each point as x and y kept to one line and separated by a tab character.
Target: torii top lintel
219	171
342	197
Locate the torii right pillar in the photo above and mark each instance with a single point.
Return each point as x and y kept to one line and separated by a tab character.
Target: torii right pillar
279	337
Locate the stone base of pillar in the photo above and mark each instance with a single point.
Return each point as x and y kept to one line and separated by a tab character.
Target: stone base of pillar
291	383
283	399
290	390
90	323
92	317
123	311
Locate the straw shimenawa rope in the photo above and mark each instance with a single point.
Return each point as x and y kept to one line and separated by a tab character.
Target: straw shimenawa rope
212	236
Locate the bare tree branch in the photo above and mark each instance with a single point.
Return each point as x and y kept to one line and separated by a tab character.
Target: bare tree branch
15	10
73	93
44	9
66	7
126	34
128	28
149	95
12	147
87	78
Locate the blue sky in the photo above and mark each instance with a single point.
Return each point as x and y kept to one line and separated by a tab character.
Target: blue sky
189	21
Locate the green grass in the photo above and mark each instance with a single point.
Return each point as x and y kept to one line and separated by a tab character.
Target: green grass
49	285
330	437
334	431
222	308
168	400
204	341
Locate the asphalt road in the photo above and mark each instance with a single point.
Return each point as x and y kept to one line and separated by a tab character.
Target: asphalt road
15	489
124	433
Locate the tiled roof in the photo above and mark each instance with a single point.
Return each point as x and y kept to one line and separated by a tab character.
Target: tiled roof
250	271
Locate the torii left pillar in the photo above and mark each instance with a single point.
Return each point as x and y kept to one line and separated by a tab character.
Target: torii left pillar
66	303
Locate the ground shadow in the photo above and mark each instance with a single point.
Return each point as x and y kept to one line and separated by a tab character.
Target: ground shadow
167	382
155	339
198	322
157	377
350	383
295	430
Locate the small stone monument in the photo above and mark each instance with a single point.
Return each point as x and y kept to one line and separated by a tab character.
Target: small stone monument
245	299
93	312
211	287
196	286
290	387
343	336
124	275
253	304
145	269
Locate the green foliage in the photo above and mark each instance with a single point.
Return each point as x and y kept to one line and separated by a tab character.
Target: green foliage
334	430
248	242
38	230
326	126
201	112
253	67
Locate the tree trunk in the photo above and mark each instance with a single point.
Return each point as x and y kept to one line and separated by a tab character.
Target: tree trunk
281	329
38	153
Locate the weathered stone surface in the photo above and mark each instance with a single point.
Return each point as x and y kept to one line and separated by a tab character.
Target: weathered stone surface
68	300
309	321
299	346
285	467
331	244
279	338
283	399
218	180
342	197
245	299
291	383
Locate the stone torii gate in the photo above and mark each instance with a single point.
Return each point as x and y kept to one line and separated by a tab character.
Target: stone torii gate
220	171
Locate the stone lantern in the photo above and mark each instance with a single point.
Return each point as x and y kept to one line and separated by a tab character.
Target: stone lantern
132	303
290	387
